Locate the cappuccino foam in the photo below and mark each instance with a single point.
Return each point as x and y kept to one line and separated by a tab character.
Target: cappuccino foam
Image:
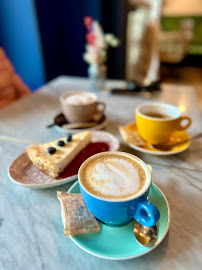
113	176
79	99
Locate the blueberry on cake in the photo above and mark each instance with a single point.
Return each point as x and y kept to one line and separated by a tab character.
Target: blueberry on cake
54	156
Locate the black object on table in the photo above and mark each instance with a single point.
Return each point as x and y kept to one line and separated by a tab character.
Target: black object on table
136	88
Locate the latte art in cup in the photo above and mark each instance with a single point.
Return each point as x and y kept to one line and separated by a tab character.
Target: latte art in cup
80	99
112	176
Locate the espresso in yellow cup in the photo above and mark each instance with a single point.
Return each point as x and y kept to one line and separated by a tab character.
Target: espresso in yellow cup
156	121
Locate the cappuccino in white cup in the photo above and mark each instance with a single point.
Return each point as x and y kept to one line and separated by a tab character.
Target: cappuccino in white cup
80	106
113	176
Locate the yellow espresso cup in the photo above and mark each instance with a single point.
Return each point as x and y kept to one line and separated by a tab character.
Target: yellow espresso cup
156	121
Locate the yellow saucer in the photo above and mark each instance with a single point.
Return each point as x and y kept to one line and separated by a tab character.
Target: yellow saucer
175	137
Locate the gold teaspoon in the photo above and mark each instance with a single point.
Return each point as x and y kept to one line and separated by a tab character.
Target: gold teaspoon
146	236
168	147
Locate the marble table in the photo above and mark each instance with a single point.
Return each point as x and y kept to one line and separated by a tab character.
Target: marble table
31	231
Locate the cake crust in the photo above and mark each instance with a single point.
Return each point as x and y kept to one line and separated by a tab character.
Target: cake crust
54	164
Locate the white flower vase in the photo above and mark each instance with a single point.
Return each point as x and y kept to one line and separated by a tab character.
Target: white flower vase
97	75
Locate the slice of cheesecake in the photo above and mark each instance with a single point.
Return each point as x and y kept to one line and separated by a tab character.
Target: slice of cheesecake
52	158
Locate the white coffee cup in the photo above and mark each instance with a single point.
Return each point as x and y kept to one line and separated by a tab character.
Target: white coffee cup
80	106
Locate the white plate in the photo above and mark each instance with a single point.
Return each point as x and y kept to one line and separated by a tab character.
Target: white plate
22	172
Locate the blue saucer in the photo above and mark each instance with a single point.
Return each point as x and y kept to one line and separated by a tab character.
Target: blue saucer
119	243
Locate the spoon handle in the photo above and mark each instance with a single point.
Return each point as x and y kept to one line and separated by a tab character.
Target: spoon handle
195	136
191	138
168	147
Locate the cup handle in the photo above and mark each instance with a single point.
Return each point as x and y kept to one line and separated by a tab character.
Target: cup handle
101	110
147	213
180	127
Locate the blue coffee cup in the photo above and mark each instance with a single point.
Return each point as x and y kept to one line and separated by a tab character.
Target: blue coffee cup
120	211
